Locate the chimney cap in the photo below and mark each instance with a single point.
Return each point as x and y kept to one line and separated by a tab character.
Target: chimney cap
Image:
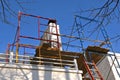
52	21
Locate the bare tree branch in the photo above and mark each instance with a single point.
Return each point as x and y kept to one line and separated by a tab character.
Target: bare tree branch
8	10
3	10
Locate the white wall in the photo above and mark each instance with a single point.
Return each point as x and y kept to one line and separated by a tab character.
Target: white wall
34	72
115	65
50	35
108	69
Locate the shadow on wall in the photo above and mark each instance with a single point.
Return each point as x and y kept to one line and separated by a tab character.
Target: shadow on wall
35	73
19	73
48	73
3	76
13	73
23	73
67	74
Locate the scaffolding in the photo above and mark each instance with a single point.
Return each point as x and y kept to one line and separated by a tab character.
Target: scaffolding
43	47
46	52
19	36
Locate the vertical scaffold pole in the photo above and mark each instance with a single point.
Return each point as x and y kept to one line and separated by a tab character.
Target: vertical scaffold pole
7	52
39	28
18	35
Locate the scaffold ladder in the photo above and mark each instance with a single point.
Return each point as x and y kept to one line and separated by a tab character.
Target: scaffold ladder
92	70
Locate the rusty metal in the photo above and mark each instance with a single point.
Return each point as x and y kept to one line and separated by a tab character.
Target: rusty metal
19	37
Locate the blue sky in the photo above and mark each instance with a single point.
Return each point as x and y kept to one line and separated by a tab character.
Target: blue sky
61	10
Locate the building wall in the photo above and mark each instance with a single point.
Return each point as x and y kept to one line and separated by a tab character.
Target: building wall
115	65
104	68
107	68
34	72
